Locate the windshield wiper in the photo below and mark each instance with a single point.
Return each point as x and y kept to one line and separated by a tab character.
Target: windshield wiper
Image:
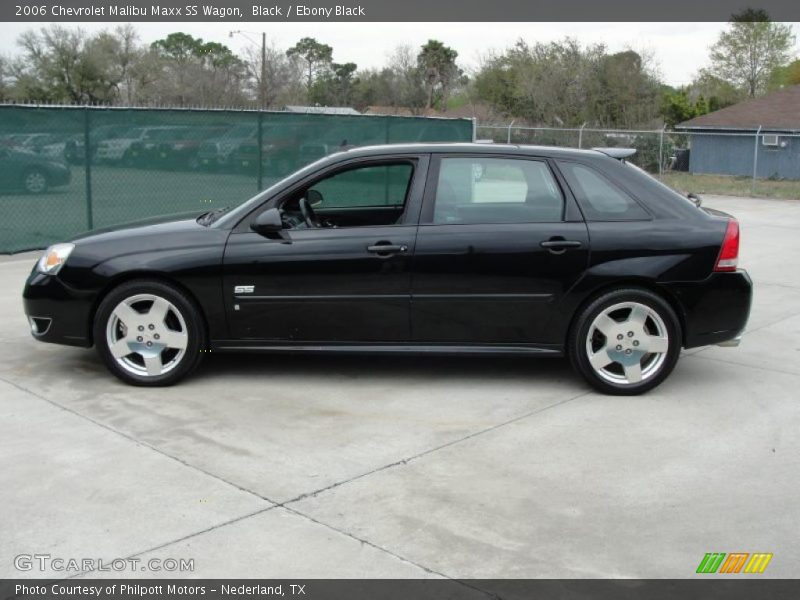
207	218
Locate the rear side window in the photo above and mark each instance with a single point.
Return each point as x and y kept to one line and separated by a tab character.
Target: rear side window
496	190
600	199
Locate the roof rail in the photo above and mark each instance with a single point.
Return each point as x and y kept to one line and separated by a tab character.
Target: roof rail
618	153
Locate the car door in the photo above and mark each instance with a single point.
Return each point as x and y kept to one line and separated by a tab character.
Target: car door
500	241
345	282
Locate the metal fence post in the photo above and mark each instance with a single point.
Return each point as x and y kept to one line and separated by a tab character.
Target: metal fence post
508	140
755	161
661	151
580	136
260	151
87	162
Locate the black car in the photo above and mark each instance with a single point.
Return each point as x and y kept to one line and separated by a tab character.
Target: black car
171	148
425	248
28	172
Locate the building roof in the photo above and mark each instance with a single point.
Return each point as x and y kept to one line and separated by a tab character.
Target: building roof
777	111
322	110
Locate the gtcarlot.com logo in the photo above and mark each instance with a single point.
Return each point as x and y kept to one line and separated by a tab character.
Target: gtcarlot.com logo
734	562
47	562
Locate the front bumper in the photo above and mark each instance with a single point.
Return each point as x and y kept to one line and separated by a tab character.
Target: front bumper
715	310
57	313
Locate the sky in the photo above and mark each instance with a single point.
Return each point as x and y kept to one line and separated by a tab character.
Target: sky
679	49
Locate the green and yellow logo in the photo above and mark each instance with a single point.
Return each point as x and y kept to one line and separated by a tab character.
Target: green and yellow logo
735	562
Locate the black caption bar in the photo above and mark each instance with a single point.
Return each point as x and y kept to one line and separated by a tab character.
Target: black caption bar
389	10
400	589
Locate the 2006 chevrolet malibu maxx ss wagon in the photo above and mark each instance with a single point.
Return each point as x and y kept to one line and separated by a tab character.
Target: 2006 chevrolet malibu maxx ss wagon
426	248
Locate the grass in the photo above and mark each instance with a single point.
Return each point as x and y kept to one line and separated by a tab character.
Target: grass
727	185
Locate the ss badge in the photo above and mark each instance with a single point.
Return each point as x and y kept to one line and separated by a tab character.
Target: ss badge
244	289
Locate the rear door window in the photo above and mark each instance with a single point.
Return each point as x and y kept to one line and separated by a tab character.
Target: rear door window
479	190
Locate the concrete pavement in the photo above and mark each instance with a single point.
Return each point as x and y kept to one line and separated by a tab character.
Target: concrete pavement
289	466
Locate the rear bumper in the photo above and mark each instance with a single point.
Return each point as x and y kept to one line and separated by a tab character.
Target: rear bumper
715	310
56	313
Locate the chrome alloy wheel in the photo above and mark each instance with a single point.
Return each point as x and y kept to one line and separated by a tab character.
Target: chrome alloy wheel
35	182
147	335
627	343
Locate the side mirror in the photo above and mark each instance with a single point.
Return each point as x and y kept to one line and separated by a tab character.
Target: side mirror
268	223
313	197
698	201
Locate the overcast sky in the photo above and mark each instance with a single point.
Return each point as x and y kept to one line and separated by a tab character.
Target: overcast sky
680	49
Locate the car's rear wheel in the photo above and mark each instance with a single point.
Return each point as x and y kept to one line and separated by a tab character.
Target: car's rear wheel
149	333
35	181
626	341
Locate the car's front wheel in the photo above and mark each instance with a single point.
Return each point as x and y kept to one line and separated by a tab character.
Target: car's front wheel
149	333
35	181
626	341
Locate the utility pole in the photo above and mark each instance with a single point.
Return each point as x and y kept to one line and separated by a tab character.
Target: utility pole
263	70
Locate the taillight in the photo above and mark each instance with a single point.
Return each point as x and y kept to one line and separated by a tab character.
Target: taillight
729	253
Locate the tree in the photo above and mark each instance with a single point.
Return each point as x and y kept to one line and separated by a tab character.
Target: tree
195	71
565	84
334	87
782	77
627	91
717	92
124	54
316	56
397	84
750	50
5	86
437	64
283	76
677	106
64	65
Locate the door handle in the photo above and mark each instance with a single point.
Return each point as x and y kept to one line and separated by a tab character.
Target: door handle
559	246
385	250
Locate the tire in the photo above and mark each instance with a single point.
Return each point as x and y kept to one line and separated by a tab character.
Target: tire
149	352
625	342
34	181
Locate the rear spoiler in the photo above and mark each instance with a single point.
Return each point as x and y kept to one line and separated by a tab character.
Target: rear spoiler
618	153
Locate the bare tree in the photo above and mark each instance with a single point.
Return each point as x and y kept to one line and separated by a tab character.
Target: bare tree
64	64
283	76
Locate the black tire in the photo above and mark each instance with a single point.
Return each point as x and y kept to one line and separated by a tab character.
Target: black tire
132	368
659	368
35	181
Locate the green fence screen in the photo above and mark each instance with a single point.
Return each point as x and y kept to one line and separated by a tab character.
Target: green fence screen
64	170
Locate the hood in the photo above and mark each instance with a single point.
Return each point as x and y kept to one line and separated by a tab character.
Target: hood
161	225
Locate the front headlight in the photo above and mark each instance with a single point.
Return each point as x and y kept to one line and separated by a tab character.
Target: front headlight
54	258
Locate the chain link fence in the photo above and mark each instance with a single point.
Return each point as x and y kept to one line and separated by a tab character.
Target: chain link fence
656	150
748	161
64	170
